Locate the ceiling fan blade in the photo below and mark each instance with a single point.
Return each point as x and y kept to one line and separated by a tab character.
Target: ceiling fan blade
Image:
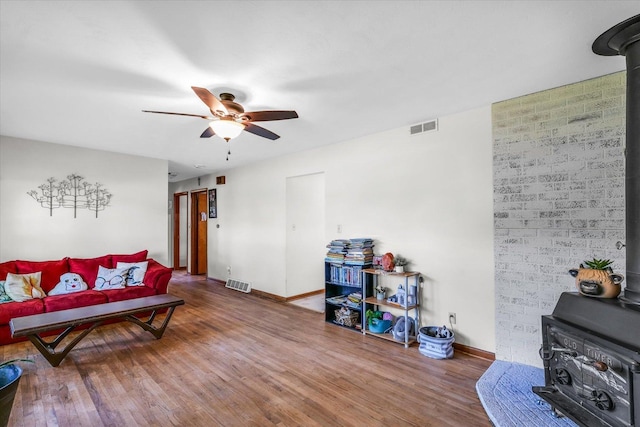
210	100
208	133
179	114
260	131
265	116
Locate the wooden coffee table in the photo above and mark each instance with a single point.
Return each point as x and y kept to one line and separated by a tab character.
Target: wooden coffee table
94	316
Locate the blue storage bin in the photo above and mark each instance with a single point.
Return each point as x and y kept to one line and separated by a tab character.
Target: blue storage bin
436	342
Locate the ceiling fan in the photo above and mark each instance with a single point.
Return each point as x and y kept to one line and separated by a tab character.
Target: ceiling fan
229	119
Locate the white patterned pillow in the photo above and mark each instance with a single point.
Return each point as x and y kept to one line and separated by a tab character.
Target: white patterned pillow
136	272
111	278
69	283
3	294
23	287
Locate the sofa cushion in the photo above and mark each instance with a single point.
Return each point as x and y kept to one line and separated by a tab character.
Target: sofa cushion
23	287
111	278
137	257
137	271
129	293
87	268
19	309
69	283
51	271
74	300
7	267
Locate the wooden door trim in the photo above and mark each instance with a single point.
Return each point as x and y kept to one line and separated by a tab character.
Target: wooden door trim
176	228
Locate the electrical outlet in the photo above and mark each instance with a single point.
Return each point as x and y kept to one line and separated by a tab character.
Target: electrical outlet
452	318
229	270
339	228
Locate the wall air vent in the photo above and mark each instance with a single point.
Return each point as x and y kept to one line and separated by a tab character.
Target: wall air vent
424	127
238	285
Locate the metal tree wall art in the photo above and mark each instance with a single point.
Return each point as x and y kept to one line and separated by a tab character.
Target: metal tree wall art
49	193
74	193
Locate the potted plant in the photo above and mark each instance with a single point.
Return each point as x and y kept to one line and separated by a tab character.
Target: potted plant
9	378
372	314
400	262
380	292
597	279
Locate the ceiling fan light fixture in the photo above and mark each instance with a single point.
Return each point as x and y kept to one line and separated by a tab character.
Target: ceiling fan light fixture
226	129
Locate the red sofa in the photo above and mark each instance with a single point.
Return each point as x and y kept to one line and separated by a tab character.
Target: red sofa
156	280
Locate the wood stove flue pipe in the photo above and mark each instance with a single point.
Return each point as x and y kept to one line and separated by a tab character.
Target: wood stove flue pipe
624	39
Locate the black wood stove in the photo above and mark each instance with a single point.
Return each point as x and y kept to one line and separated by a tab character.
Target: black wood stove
591	346
591	353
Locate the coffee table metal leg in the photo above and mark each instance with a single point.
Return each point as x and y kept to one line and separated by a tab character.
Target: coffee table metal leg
148	325
48	348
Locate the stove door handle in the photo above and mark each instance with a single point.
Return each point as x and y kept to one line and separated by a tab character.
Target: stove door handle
548	354
545	354
570	352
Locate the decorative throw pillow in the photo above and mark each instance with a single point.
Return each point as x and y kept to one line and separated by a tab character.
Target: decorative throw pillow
23	287
3	294
69	283
137	271
111	278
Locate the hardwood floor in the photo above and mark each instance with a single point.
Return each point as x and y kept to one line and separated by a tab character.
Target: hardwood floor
231	359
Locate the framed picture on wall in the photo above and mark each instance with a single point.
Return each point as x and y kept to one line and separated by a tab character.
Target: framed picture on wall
213	204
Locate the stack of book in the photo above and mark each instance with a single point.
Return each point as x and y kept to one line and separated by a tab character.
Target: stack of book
354	299
359	252
337	251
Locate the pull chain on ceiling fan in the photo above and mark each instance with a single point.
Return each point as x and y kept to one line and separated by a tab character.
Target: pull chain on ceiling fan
228	118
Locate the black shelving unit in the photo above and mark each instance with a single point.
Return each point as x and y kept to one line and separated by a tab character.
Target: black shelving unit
340	280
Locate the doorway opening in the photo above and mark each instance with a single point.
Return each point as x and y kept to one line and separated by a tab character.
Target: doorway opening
180	230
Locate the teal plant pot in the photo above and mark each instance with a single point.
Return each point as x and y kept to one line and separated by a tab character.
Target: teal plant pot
379	326
9	378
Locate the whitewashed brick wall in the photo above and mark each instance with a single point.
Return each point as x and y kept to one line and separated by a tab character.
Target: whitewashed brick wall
558	200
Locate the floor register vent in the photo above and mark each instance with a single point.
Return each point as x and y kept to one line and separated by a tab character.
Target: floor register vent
238	285
424	127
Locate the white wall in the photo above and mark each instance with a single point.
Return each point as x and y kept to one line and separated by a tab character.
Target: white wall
136	218
428	197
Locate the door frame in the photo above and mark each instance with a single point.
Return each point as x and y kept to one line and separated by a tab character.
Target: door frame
176	229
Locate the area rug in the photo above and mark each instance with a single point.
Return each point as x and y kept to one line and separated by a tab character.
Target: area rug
505	392
313	303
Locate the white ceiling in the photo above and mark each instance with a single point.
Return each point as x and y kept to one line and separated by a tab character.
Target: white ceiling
79	73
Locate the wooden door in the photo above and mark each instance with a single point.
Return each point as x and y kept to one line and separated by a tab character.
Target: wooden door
199	216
